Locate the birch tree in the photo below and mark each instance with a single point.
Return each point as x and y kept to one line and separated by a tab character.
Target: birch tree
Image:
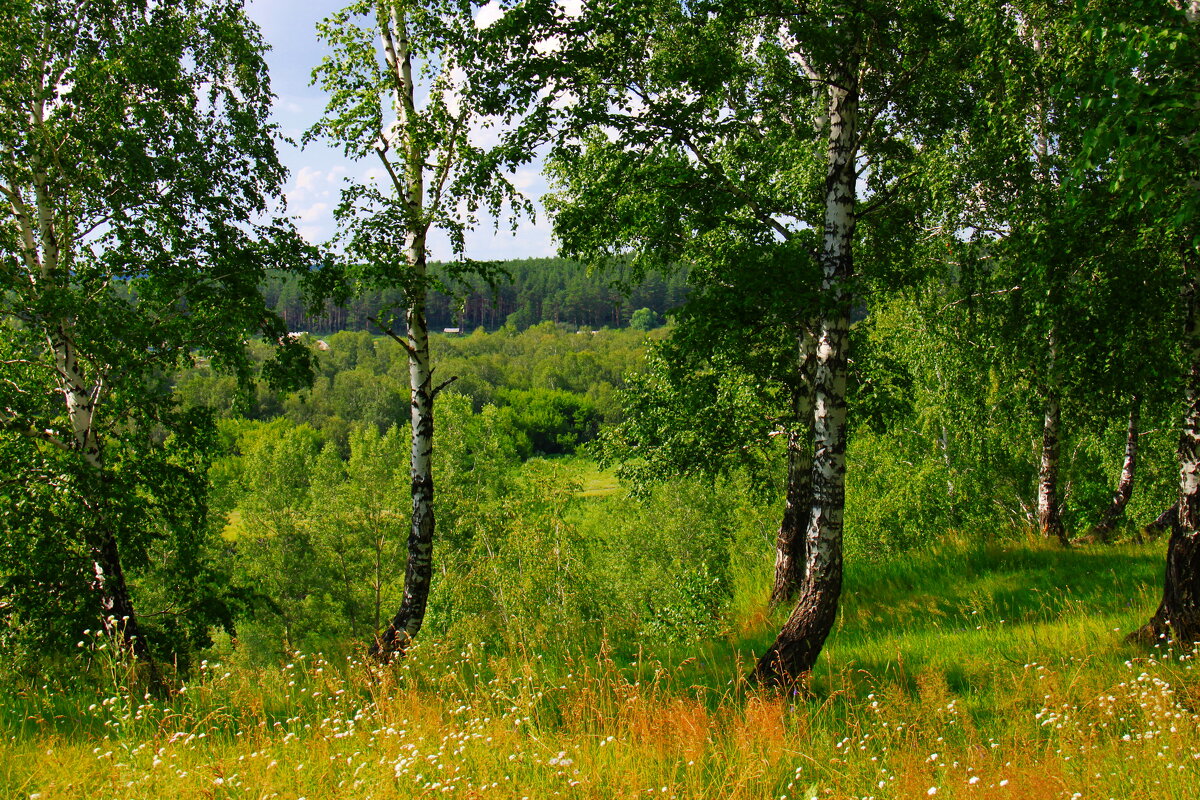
401	96
137	170
781	124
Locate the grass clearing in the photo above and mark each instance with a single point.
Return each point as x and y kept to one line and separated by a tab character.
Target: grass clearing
598	482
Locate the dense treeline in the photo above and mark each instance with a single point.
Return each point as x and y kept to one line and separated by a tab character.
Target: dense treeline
527	291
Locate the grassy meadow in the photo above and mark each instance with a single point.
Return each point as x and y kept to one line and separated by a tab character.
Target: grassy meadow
967	671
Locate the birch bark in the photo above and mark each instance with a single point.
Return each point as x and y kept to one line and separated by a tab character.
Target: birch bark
43	256
1048	506
418	573
791	544
795	650
1178	613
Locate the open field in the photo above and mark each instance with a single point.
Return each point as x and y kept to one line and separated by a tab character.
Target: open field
1013	683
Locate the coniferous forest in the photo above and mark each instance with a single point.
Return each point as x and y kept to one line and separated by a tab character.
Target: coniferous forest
850	448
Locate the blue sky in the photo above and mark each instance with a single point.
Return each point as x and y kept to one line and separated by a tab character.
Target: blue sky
318	172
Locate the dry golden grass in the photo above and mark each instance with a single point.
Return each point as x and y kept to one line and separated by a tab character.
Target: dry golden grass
318	730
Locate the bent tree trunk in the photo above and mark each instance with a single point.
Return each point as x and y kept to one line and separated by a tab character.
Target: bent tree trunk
1178	614
409	184
1124	491
791	544
798	644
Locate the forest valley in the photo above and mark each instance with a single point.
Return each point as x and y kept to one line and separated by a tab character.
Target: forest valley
836	456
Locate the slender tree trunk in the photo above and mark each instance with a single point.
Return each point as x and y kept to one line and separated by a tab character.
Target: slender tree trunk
377	587
108	582
1120	498
1049	518
795	650
418	573
791	544
108	577
1178	614
1048	506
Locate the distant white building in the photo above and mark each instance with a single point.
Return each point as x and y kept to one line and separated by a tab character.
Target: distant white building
451	330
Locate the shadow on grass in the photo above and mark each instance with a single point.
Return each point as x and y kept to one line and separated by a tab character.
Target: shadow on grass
969	612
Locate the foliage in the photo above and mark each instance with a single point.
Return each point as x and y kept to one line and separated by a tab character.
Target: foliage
139	173
559	383
645	319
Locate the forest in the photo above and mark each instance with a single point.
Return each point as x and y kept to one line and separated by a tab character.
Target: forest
850	447
526	292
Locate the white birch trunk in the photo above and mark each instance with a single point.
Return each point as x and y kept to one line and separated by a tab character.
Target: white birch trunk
1048	506
795	650
41	235
1178	613
1124	490
419	569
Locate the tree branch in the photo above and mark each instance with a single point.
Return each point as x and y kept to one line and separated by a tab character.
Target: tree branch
396	182
447	163
388	330
756	209
977	295
437	389
12	423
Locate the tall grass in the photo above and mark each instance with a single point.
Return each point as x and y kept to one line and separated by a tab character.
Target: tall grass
968	671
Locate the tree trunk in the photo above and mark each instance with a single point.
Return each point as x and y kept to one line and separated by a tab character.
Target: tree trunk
791	544
795	650
791	548
108	582
116	604
1048	507
1120	498
1178	614
419	571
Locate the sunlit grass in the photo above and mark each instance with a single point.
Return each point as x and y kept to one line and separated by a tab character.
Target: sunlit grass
970	671
597	482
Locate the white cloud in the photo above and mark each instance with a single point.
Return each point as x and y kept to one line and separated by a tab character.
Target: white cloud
523	179
572	8
306	178
488	15
547	46
311	182
317	212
